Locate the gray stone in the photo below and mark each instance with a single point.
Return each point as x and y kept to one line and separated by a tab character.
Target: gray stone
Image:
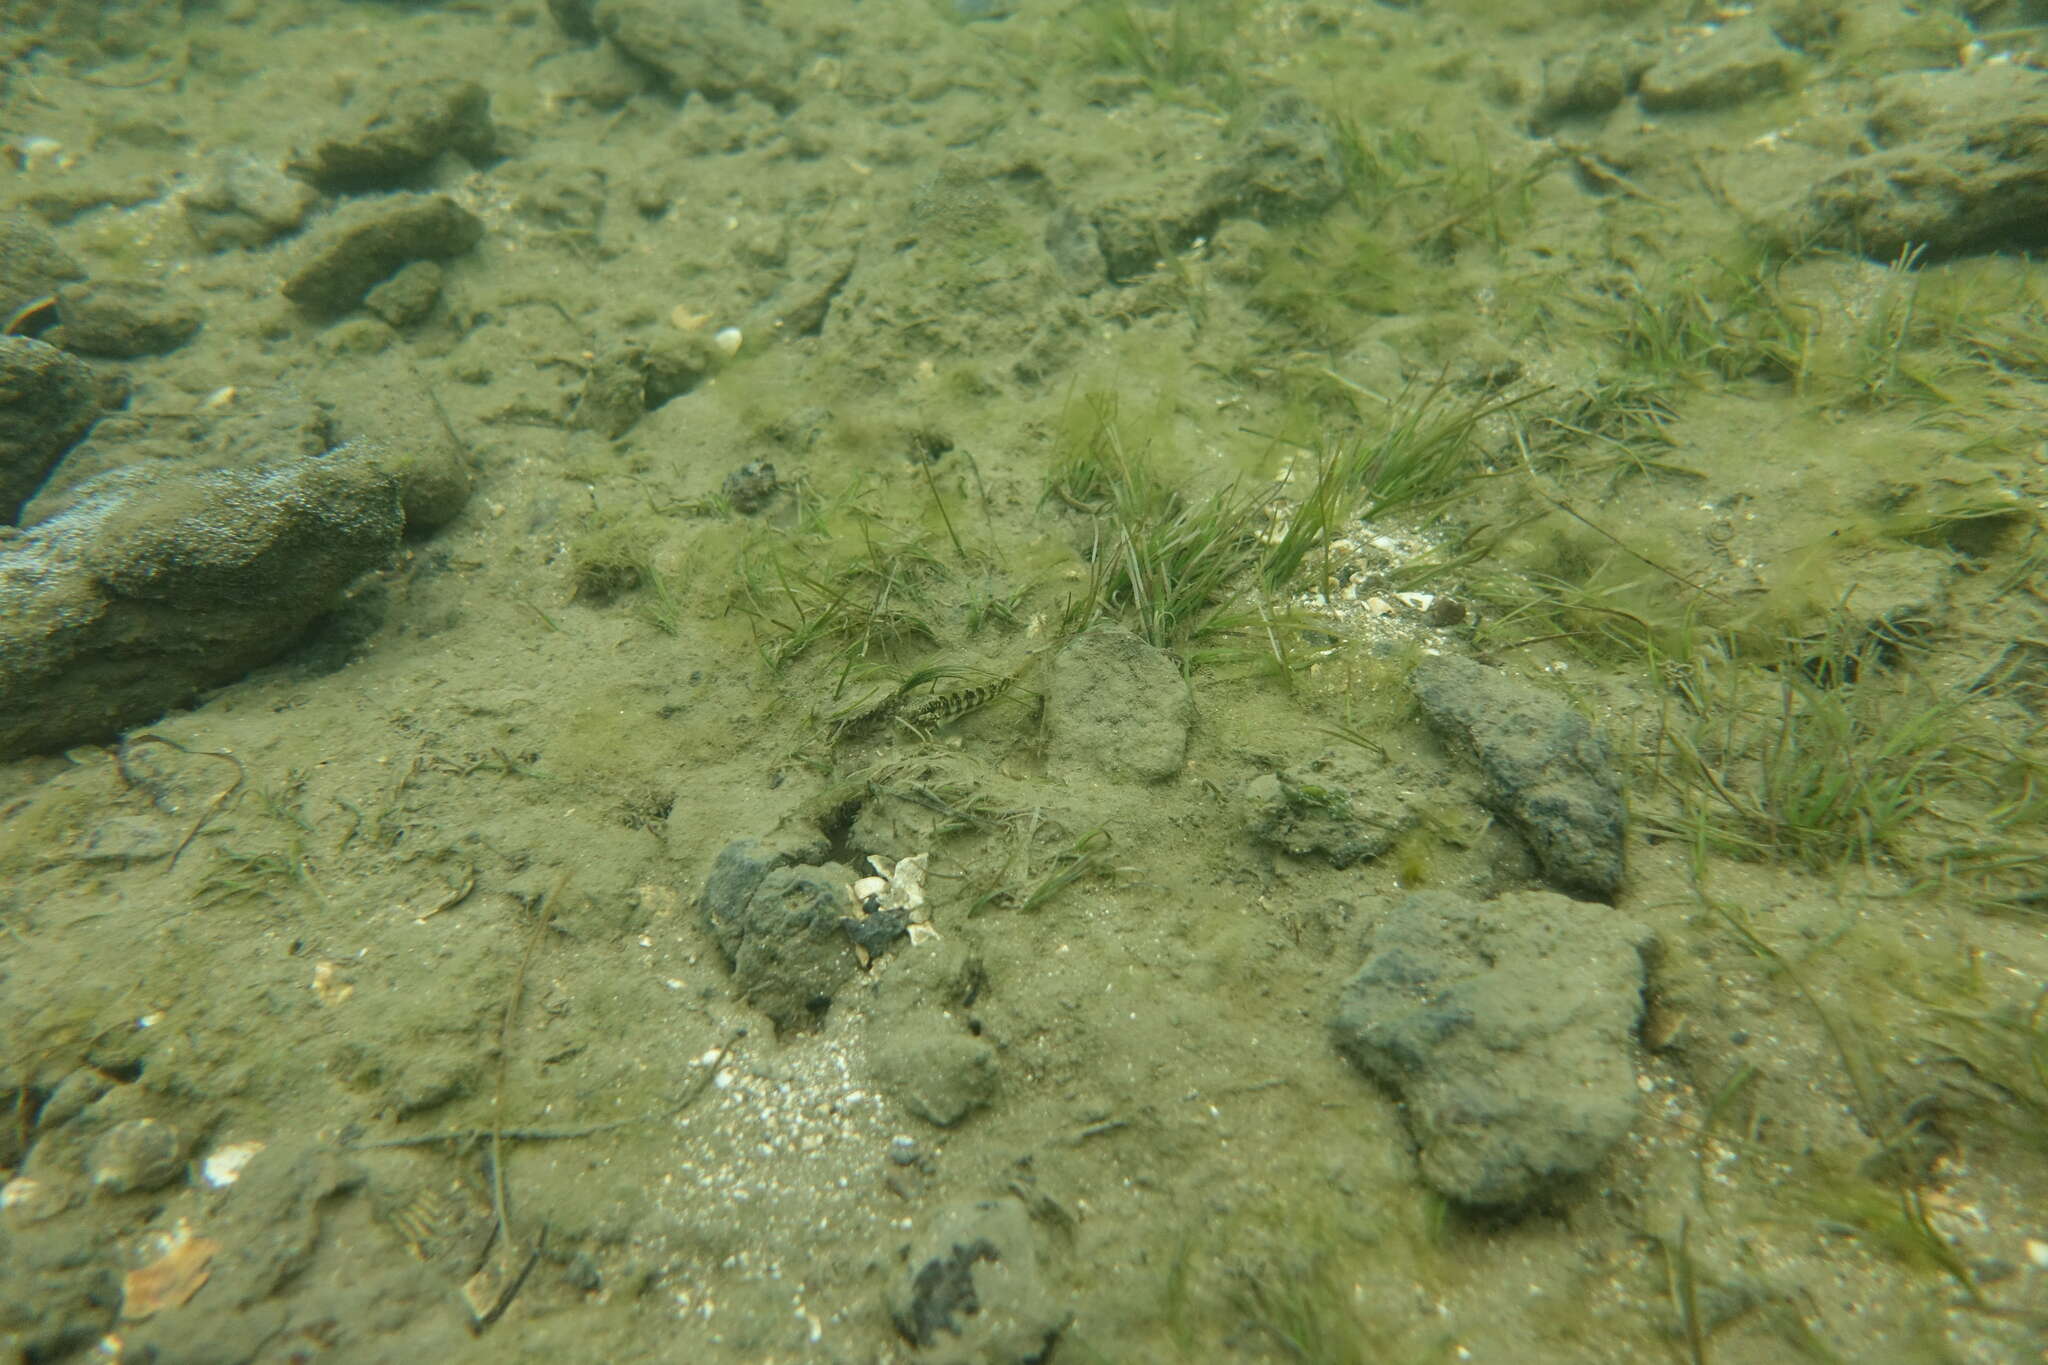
1727	66
1118	707
781	925
242	202
929	1065
1347	807
1590	81
408	296
140	1154
710	47
155	584
972	1293
1506	1029
48	401
398	140
1547	773
367	242
1962	166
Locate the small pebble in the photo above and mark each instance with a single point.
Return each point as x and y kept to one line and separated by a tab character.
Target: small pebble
903	1150
140	1154
1445	611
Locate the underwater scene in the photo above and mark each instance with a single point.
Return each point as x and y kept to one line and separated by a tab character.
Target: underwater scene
1006	681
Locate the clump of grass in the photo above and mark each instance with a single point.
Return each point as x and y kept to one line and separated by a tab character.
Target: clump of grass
609	558
1815	761
1733	320
1177	567
871	605
1183	50
1425	454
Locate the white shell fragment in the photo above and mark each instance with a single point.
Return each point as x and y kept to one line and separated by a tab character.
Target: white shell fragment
727	339
906	883
223	1167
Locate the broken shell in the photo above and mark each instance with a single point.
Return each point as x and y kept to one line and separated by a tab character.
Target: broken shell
172	1279
224	1166
906	880
727	339
141	1154
867	888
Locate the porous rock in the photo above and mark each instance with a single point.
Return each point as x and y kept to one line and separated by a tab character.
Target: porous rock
1726	66
243	202
778	920
1547	772
972	1293
1506	1029
714	49
1346	807
1118	707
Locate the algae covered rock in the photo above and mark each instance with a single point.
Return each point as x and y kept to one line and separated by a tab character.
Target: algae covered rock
155	584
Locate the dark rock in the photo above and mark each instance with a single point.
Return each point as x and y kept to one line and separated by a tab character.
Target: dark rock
1547	772
574	19
1592	81
878	932
408	296
1727	66
1506	1030
1072	243
242	202
48	401
972	1292
415	123
737	871
32	265
750	487
614	394
366	242
713	48
1118	707
1347	807
122	319
1283	166
777	922
1962	167
155	584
